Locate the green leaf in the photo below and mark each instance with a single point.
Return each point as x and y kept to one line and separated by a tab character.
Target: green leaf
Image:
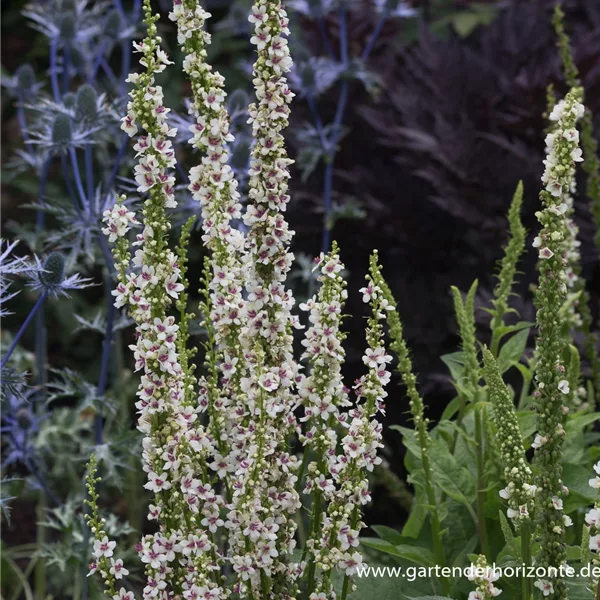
415	554
512	351
451	409
527	423
414	524
509	537
456	364
388	534
576	478
504	329
428	598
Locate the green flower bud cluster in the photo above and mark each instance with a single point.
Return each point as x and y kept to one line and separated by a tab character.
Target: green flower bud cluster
508	267
465	316
519	491
417	407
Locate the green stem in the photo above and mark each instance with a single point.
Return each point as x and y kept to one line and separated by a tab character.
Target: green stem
315	525
40	567
495	340
526	559
436	529
481	484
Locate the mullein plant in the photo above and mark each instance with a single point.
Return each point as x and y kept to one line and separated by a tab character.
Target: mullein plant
552	387
218	450
578	296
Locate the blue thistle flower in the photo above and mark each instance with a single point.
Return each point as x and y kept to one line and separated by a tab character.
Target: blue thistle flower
50	278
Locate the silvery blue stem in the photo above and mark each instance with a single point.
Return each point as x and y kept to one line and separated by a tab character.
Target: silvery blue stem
318	16
77	175
40	217
119	7
376	33
97	61
117	163
38	304
109	73
68	184
66	65
125	62
40	479
22	121
89	171
54	70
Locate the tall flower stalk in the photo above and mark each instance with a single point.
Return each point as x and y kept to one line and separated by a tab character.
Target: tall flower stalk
508	268
519	491
552	387
417	407
579	304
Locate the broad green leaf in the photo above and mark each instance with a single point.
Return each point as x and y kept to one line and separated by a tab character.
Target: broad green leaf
415	554
576	478
527	423
451	409
456	365
578	423
388	534
409	439
414	524
512	351
428	598
504	329
509	537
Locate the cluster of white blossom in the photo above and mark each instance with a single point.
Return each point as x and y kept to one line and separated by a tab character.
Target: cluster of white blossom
213	185
484	577
236	478
566	191
265	501
344	487
180	556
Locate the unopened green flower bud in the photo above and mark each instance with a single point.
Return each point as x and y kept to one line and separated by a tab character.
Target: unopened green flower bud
67	27
54	269
87	98
62	130
25	78
113	24
69	100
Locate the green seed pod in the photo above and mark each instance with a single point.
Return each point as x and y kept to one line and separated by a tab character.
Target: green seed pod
62	130
69	100
25	78
113	24
67	27
54	269
86	106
